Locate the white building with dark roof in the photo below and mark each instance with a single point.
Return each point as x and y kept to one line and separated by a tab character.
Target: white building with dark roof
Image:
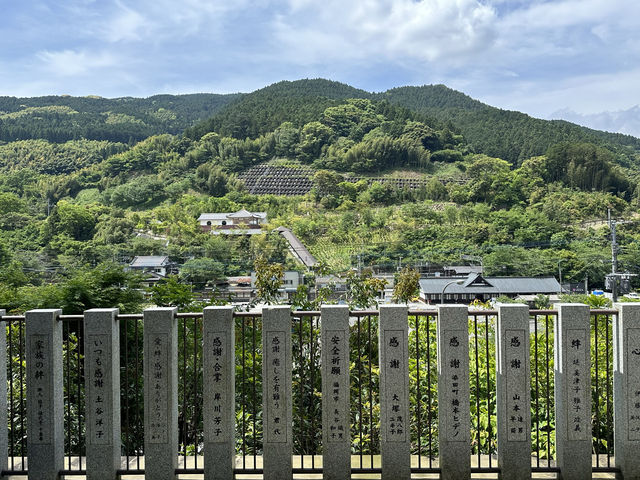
240	222
151	264
477	287
157	267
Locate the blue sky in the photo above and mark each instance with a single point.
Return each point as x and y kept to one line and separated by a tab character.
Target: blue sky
536	56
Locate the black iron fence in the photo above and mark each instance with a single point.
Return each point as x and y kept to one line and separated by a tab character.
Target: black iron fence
307	419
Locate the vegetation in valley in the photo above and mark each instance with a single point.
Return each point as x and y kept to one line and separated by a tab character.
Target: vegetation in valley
88	183
76	204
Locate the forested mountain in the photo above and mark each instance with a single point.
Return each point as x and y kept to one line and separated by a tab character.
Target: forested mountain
63	118
264	110
510	135
89	185
431	98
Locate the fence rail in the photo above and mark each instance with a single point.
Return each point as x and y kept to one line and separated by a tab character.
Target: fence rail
365	424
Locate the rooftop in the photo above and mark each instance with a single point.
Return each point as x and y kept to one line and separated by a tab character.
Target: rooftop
476	283
149	261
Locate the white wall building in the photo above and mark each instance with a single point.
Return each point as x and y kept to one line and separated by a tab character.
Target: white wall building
240	222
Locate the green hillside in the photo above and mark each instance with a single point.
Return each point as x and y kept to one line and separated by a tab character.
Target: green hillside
510	135
63	118
397	176
264	110
431	98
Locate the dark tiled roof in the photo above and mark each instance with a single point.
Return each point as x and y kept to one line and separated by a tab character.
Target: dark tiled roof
492	285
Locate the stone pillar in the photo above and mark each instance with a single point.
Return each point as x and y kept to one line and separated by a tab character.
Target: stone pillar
4	431
102	392
454	414
572	370
277	406
219	393
160	393
336	426
393	345
513	392
45	414
626	390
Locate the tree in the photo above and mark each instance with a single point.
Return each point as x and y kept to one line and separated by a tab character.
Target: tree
271	246
286	138
76	221
140	192
406	285
269	278
585	166
362	289
423	134
447	156
313	138
435	190
212	180
13	274
106	286
200	271
11	203
326	183
354	118
171	293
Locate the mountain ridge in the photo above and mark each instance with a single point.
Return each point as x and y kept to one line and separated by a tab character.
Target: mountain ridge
510	135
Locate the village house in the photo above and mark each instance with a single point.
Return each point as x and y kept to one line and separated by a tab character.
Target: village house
465	290
241	222
157	267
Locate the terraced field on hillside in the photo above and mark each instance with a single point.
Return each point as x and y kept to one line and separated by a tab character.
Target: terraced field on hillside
268	179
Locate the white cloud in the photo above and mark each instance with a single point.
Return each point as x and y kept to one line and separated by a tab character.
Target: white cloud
582	93
67	63
126	25
554	54
154	20
552	15
535	55
404	30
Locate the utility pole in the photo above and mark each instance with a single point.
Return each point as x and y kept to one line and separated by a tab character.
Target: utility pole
560	274
614	258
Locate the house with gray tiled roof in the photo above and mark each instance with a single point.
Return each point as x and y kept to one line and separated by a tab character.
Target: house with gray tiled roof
475	286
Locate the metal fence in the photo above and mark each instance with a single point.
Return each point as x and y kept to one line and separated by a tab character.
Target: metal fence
365	411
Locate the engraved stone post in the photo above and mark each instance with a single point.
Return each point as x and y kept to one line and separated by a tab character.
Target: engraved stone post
276	392
219	393
395	446
160	393
45	417
572	370
336	438
4	433
102	392
626	390
454	415
513	392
